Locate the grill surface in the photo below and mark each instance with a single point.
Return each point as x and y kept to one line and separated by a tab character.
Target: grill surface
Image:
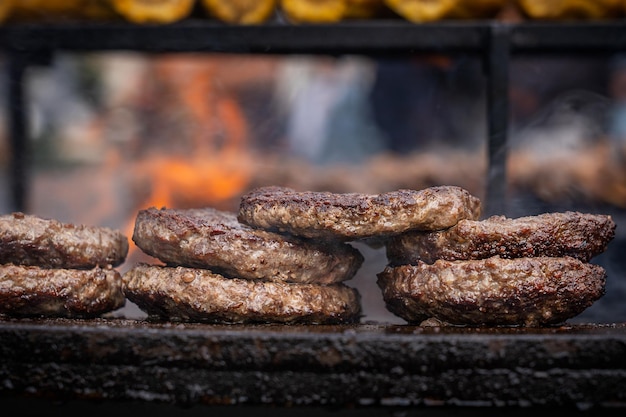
343	366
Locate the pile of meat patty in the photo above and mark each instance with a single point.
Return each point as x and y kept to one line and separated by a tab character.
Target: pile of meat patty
445	263
527	271
219	270
282	258
54	269
285	257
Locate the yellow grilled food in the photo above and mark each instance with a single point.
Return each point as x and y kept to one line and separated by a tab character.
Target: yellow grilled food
240	11
570	9
153	11
313	11
420	11
542	9
5	9
592	9
433	10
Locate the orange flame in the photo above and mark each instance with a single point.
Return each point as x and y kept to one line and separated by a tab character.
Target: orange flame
200	180
220	167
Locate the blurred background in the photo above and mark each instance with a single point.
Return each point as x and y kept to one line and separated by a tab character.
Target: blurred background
116	132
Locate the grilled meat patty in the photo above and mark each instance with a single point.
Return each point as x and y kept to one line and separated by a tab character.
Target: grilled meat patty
70	293
495	291
213	239
354	216
193	294
574	234
30	240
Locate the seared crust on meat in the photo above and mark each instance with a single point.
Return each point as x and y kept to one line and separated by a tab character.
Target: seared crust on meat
495	291
30	240
354	216
574	234
70	293
191	294
212	239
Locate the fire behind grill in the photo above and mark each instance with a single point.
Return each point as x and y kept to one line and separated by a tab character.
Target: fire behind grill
349	367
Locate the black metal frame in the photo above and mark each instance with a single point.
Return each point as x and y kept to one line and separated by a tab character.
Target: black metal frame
25	44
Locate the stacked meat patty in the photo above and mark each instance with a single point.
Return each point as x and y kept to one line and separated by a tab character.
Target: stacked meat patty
54	269
527	271
444	262
330	217
219	270
283	257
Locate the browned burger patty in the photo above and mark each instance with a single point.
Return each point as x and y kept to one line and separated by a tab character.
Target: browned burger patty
495	291
212	239
354	216
574	234
191	294
30	240
71	293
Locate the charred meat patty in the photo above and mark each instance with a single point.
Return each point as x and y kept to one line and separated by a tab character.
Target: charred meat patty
70	293
199	295
213	239
31	240
355	216
574	234
495	291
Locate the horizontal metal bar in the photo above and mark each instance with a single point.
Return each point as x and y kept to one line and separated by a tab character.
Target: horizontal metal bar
591	37
201	36
370	36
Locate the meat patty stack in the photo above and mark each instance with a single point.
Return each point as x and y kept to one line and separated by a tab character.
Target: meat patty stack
219	270
54	269
285	255
528	271
331	217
